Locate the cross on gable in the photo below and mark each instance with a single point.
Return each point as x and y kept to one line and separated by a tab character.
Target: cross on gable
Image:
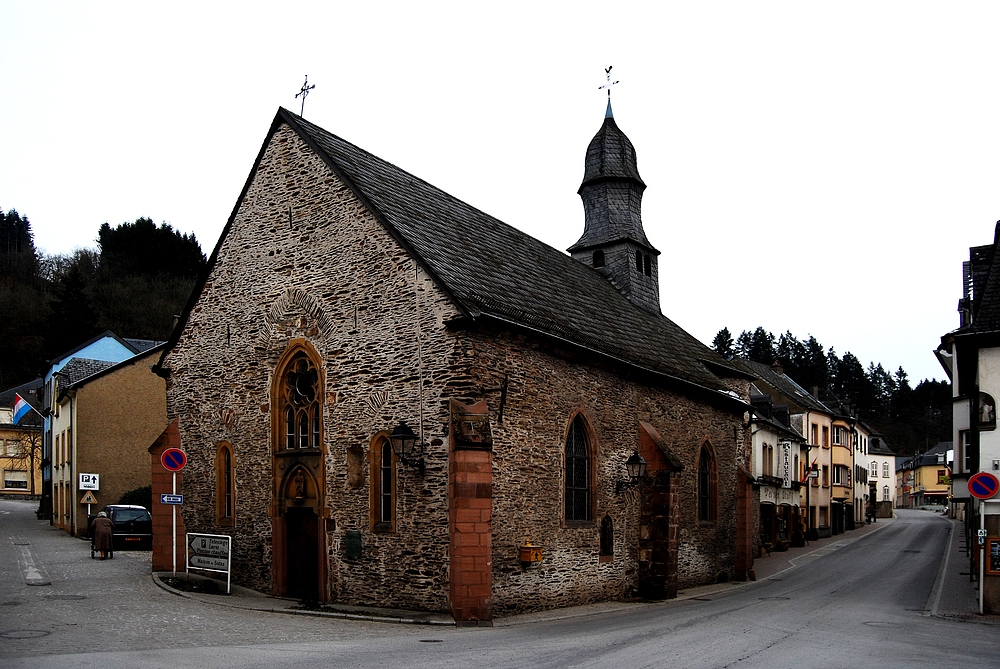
607	86
304	91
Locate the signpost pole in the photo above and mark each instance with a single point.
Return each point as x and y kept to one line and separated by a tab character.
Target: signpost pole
983	555
173	508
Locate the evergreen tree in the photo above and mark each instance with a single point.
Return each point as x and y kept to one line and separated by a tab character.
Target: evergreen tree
757	346
18	258
792	355
72	319
723	344
815	371
23	308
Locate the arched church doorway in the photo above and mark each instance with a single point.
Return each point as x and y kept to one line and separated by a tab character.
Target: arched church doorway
301	554
298	517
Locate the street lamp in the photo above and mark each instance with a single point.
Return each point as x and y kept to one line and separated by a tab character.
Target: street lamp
635	466
407	447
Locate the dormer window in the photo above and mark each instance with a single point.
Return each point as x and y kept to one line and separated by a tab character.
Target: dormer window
598	258
638	262
647	266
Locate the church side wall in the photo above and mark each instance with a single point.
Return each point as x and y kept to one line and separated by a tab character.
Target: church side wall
305	260
544	392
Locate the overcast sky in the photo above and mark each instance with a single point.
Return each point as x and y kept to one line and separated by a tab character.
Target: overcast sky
818	168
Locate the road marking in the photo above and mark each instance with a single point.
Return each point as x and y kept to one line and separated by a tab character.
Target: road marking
33	575
938	587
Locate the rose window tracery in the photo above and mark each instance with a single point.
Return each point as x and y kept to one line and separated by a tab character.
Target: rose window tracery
302	406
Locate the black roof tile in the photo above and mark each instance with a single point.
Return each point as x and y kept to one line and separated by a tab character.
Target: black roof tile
492	269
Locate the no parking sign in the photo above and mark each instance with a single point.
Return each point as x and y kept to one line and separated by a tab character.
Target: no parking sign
173	459
983	485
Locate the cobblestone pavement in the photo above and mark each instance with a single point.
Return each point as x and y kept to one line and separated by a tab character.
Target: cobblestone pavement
55	599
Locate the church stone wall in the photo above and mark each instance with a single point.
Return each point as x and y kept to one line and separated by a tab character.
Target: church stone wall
545	391
305	260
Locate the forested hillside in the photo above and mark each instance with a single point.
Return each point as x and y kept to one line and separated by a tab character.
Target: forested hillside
134	282
912	419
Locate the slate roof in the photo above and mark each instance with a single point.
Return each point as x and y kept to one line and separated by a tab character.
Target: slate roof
927	459
79	369
28	391
493	271
986	287
782	384
143	345
877	446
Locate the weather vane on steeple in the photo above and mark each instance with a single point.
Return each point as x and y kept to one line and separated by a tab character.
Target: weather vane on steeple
304	91
607	87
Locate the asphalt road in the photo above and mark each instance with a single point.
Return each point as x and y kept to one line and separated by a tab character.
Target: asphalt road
865	603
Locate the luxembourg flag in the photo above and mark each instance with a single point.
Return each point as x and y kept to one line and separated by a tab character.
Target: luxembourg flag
21	408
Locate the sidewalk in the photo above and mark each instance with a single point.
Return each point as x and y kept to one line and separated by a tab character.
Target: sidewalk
765	567
957	597
953	595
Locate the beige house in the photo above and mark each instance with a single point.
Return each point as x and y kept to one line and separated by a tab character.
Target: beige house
21	444
925	478
104	417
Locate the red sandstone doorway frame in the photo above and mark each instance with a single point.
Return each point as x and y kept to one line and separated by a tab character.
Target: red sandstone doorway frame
287	493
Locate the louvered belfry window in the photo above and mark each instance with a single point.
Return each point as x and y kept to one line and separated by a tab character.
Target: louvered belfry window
302	404
577	473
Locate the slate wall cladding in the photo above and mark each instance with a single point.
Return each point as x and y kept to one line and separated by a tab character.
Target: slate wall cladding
305	259
544	393
328	273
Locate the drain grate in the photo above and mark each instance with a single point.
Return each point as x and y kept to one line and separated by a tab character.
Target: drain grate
910	551
66	597
700	599
431	640
774	599
11	604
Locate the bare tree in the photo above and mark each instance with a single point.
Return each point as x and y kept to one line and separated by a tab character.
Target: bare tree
29	455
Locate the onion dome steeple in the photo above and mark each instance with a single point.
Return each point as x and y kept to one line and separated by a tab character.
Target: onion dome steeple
613	240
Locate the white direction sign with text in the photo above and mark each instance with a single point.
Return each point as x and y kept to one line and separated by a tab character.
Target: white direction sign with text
210	552
214	545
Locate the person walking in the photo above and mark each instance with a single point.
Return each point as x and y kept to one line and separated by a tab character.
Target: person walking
103	531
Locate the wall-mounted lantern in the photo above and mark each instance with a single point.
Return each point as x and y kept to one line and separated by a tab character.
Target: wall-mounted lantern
635	466
407	447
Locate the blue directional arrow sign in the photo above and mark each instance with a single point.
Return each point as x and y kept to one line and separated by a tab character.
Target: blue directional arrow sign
171	499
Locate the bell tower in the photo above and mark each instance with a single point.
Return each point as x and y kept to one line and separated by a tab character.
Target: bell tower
613	241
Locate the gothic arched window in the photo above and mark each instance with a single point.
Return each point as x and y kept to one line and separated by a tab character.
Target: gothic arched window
301	407
383	486
578	484
707	493
225	486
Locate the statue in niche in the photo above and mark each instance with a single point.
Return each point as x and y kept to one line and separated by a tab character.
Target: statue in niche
299	481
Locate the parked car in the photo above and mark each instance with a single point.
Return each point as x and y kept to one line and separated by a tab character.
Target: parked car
133	527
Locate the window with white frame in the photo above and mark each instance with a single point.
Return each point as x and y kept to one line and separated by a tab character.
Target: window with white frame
885	470
873	470
885	493
15	479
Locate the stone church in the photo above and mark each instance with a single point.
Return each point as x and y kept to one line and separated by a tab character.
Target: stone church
390	398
